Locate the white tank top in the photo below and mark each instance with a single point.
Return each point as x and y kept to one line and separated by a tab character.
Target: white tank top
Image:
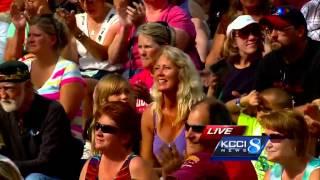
86	60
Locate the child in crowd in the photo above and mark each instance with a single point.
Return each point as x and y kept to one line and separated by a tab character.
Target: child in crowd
249	108
112	87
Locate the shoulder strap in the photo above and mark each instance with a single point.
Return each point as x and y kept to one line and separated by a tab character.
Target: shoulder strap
154	118
311	166
93	168
105	25
127	162
124	172
276	172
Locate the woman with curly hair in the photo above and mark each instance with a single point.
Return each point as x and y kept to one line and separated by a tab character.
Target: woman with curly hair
176	87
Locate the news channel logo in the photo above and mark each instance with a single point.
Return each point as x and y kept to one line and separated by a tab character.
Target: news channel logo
239	147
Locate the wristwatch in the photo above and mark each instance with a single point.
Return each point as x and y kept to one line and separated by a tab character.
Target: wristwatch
238	104
80	36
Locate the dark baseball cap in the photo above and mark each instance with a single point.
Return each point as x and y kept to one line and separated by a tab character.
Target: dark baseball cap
284	16
14	71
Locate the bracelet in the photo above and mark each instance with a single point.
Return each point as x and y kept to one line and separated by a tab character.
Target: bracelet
238	104
80	36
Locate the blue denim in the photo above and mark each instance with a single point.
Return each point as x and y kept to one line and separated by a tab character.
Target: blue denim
39	176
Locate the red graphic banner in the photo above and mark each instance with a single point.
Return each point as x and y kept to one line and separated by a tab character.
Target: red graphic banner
5	5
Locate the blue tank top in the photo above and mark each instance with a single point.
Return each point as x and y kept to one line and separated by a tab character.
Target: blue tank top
276	171
180	140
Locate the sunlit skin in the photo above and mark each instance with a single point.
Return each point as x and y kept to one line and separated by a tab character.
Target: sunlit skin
279	150
282	38
147	50
198	116
33	7
247	45
165	75
36	40
11	96
105	141
123	96
93	7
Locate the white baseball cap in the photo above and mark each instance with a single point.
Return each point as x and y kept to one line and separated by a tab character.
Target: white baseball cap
239	23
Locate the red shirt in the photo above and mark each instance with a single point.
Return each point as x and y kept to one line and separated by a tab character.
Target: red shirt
239	170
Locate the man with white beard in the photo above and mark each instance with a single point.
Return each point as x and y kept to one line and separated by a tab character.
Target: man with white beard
34	131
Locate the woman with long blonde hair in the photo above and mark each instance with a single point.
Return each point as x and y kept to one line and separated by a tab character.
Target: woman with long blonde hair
176	87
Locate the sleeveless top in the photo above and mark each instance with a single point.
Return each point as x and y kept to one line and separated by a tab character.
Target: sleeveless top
180	140
64	72
93	168
86	60
276	171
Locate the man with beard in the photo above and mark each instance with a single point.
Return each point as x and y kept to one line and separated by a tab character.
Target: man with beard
293	64
34	131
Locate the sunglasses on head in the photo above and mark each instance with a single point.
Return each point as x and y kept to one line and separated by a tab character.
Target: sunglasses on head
276	136
280	11
105	128
195	128
245	32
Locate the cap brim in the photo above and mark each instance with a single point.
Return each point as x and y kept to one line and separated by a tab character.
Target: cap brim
275	21
240	26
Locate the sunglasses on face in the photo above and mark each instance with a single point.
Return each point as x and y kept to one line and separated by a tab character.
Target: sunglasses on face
195	128
245	32
105	128
276	136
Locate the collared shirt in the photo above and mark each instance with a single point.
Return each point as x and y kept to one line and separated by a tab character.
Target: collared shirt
311	12
43	142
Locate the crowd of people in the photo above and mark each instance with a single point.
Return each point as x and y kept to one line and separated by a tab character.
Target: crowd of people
124	89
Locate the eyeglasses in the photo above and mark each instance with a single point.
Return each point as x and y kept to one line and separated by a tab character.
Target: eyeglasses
276	136
195	128
105	128
270	29
245	32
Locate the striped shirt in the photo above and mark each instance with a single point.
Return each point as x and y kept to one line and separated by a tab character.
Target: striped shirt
65	72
